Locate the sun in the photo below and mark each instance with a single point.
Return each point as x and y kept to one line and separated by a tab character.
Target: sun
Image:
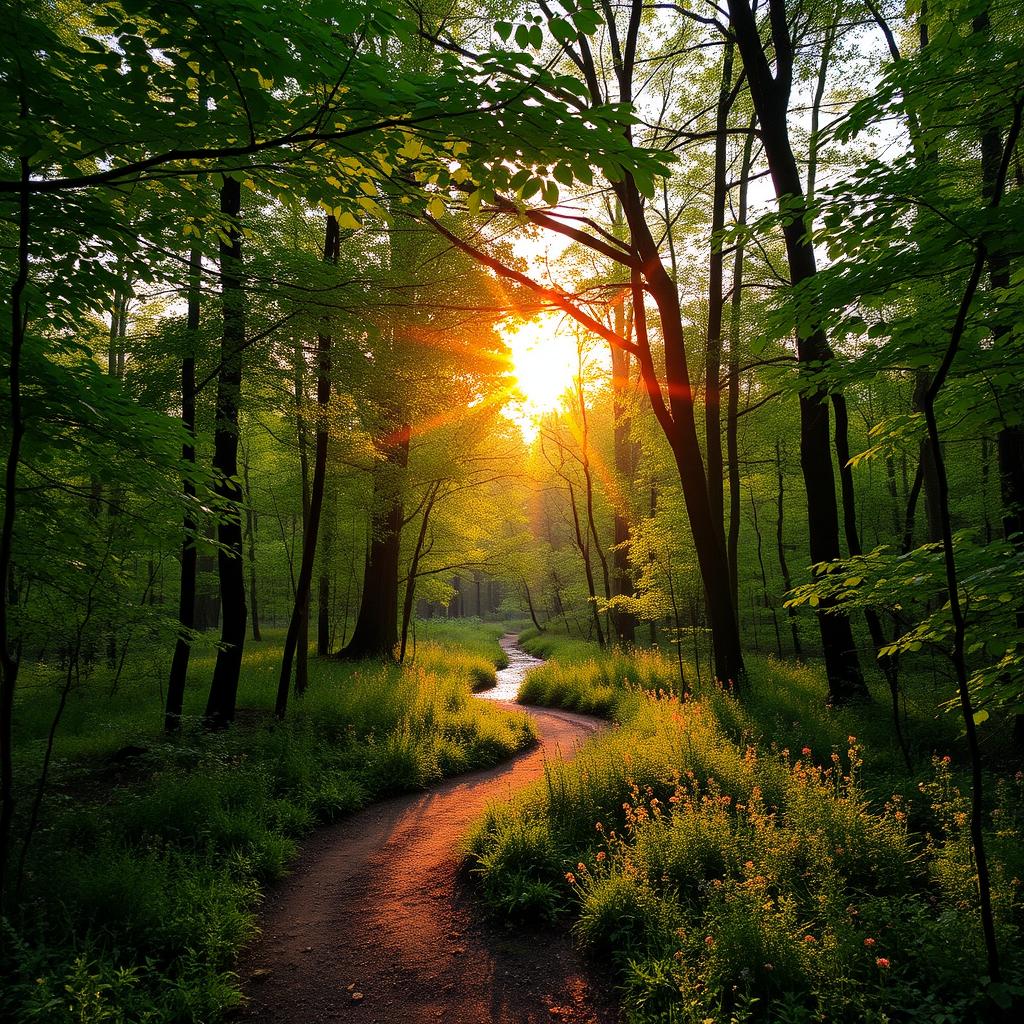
545	361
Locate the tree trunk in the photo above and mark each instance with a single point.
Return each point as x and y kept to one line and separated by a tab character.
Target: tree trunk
713	351
302	645
8	652
250	533
733	406
187	593
680	430
583	544
376	630
323	599
624	453
296	642
220	706
780	548
770	94
410	583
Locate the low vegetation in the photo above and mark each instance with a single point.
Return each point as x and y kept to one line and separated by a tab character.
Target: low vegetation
737	869
141	888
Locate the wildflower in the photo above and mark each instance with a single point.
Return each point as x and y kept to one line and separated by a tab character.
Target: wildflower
769	967
810	939
900	816
851	740
598	826
570	878
869	942
882	962
806	751
581	867
601	855
709	941
947	759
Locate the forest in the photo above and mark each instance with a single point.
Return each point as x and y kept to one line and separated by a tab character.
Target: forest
512	511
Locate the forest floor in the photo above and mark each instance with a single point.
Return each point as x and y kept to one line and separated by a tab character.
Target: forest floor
377	924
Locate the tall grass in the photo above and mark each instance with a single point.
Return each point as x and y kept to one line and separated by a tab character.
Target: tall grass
738	861
143	882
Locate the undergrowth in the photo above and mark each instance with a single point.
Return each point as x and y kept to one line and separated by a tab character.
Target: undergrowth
734	864
143	879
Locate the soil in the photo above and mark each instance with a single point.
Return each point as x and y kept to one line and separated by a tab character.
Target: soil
378	925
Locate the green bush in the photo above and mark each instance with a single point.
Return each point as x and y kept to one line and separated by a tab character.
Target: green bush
735	866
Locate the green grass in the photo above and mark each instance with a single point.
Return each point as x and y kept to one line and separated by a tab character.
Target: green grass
759	861
144	878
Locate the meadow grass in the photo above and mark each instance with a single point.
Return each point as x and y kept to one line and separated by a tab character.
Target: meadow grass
763	860
143	879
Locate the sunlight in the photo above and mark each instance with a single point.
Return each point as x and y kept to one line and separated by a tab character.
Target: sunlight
544	362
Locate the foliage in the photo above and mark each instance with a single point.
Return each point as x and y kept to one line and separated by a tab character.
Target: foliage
727	875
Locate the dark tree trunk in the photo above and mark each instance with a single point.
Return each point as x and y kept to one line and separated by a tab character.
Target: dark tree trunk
250	533
207	605
296	644
583	545
769	603
780	548
323	600
302	645
529	604
376	630
679	426
589	494
220	706
187	594
716	301
928	471
733	406
410	583
8	652
770	94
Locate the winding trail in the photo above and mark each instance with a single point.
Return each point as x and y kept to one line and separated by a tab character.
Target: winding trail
376	908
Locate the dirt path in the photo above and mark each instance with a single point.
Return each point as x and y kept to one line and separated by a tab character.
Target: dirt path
375	906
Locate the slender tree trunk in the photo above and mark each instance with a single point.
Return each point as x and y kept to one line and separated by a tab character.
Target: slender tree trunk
220	706
8	651
680	430
780	548
326	553
768	602
189	560
302	646
733	407
583	544
588	480
770	94
716	302
410	583
529	604
624	454
297	637
250	533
